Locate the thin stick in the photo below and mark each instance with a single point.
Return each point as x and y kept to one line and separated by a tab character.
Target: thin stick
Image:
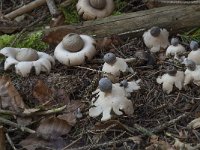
40	113
173	121
8	122
96	146
10	142
25	8
52	8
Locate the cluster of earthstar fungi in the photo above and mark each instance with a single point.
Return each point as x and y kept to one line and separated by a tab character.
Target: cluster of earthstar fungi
156	39
111	94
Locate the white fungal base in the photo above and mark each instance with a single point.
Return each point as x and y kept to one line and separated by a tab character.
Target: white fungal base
89	13
175	51
106	102
195	56
76	58
23	68
114	70
156	43
168	81
192	76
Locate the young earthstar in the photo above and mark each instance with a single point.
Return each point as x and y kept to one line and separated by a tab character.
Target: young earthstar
156	38
92	9
175	49
25	59
113	66
74	49
194	55
192	73
110	97
172	77
129	87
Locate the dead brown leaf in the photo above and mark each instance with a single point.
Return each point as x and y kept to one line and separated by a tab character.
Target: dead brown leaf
158	144
2	139
194	124
10	98
53	36
42	92
182	146
54	127
33	142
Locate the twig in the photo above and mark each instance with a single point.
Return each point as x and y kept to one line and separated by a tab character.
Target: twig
66	3
52	8
72	143
25	8
10	142
118	50
8	122
173	121
39	113
143	130
96	146
50	112
81	67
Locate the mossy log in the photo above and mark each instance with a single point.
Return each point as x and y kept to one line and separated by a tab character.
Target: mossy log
174	18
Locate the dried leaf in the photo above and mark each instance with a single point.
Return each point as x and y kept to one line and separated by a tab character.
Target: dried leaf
55	35
24	121
180	145
42	92
10	98
54	127
158	144
136	139
194	124
2	139
33	142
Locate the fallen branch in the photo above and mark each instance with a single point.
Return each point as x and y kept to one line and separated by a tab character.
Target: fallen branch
174	18
179	2
25	9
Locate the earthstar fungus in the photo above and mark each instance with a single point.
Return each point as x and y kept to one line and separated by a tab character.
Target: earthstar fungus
74	49
156	38
25	59
110	97
92	9
172	77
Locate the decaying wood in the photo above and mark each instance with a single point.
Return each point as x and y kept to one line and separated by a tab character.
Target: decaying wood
25	9
173	18
158	3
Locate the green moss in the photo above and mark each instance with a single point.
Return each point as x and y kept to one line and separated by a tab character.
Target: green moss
70	13
30	40
119	5
193	34
6	40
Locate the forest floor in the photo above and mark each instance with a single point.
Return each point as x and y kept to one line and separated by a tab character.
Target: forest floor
160	120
